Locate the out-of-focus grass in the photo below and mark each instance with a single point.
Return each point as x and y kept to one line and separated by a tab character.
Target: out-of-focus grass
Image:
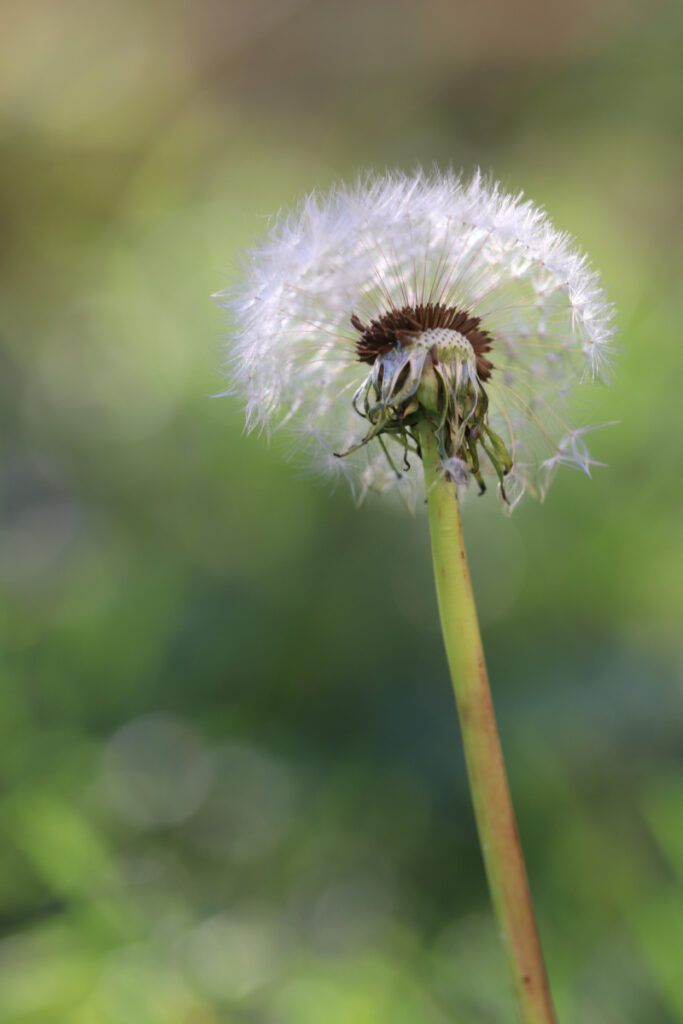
233	786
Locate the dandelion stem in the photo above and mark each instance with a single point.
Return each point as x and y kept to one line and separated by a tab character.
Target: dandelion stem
493	810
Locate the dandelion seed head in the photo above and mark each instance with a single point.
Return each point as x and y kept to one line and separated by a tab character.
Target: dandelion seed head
405	295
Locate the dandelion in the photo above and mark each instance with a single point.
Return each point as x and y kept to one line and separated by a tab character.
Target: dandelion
422	330
404	296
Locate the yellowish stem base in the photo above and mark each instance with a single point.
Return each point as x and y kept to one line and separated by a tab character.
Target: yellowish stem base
495	818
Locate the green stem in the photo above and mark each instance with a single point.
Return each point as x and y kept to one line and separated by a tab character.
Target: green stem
488	783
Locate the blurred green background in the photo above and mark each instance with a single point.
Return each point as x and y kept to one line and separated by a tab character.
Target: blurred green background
232	781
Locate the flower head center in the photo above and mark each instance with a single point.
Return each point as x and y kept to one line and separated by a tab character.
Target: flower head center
404	327
447	344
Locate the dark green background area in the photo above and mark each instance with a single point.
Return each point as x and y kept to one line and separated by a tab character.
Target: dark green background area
232	782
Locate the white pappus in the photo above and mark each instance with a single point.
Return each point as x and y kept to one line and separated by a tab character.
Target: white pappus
409	295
